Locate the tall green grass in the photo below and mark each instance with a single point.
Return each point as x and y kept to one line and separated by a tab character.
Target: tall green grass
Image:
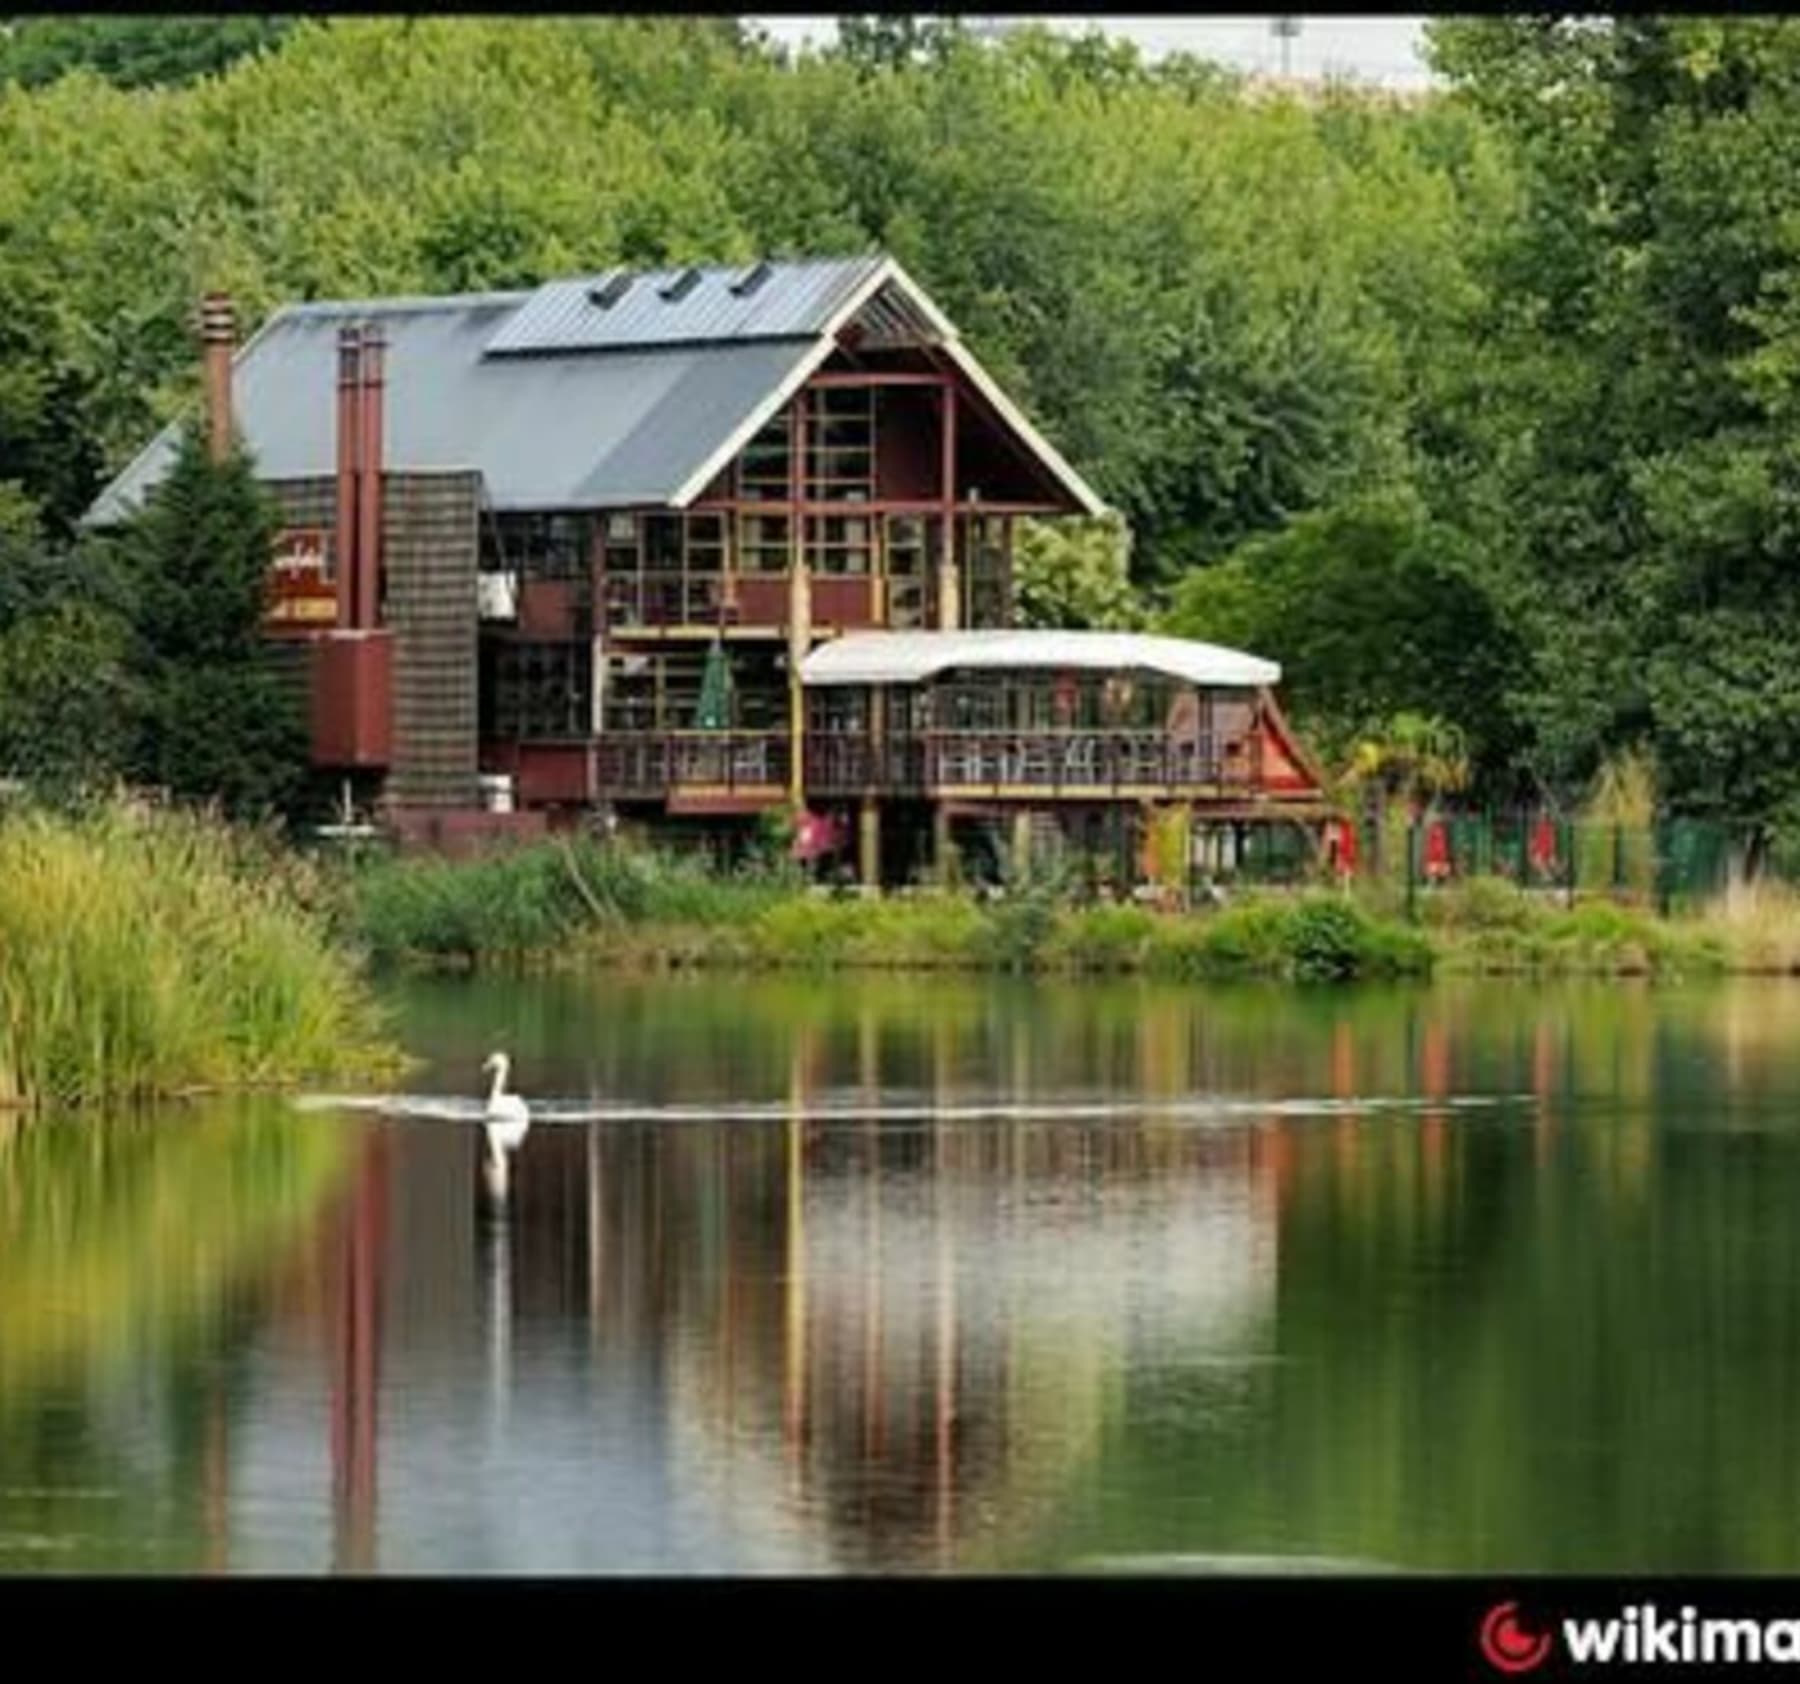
1492	927
529	904
579	901
584	902
151	953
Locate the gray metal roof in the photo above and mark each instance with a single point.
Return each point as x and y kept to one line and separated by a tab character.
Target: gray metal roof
793	300
559	403
545	432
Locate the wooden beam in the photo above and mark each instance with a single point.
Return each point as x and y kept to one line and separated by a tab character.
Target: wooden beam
949	581
799	597
856	379
871	506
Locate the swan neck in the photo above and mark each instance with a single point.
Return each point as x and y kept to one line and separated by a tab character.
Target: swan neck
499	1086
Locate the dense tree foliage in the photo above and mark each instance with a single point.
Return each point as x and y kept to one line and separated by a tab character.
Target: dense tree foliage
1629	471
1373	611
217	721
132	51
68	704
1071	574
1476	406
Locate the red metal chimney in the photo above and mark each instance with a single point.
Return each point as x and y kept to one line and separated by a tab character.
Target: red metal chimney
349	428
368	547
218	336
353	664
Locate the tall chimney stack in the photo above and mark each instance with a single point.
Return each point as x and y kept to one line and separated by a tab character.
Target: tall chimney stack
368	544
218	337
349	462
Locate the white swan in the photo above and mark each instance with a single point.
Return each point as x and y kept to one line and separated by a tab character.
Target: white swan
506	1118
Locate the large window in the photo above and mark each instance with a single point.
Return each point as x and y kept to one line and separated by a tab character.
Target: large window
539	690
840	450
664	569
985	542
913	545
661	692
967	702
840	543
763	544
537	546
763	464
840	445
838	710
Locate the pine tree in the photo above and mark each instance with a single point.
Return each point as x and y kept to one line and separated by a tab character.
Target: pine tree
219	723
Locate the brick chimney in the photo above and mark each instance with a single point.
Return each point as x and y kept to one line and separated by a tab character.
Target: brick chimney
218	338
349	464
368	543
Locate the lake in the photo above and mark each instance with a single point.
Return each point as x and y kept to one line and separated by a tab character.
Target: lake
933	1275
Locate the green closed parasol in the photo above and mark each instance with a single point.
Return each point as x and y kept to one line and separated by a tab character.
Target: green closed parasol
714	711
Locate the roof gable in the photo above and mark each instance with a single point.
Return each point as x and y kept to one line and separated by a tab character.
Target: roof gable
507	385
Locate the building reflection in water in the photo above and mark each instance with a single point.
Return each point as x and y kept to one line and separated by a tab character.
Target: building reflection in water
859	1326
356	1366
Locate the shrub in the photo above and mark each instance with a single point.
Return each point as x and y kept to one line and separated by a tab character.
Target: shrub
148	953
1481	903
1326	940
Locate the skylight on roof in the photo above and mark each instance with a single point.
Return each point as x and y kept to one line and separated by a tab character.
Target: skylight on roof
752	279
610	291
681	286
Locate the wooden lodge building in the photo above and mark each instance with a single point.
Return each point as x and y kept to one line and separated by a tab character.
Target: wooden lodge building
689	544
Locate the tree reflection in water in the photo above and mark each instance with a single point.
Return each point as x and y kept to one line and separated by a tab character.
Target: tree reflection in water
807	1310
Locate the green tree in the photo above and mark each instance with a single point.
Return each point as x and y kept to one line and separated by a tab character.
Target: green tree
1633	472
874	41
1415	758
1373	611
133	52
67	704
1076	574
219	722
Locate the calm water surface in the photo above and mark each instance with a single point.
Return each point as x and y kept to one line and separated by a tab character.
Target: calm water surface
922	1275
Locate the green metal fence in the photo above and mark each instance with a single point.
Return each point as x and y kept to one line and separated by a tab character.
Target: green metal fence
1667	865
1670	863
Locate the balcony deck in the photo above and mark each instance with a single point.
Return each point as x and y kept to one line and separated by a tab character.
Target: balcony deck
718	771
753	767
1058	765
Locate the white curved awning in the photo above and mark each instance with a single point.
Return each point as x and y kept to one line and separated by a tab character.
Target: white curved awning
912	657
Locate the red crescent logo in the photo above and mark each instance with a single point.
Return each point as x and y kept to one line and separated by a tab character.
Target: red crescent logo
1508	1646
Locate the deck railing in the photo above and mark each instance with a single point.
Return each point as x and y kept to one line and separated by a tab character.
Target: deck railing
1127	763
651	763
1050	761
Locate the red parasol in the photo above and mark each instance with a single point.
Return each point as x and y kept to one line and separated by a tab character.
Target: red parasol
1437	850
815	835
1543	847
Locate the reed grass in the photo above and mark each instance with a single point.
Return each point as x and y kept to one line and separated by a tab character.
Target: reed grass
521	906
1759	925
1491	927
585	903
582	902
147	954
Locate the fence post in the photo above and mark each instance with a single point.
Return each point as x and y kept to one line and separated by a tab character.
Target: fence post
1412	869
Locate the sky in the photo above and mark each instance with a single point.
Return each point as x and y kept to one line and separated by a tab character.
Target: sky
1385	51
